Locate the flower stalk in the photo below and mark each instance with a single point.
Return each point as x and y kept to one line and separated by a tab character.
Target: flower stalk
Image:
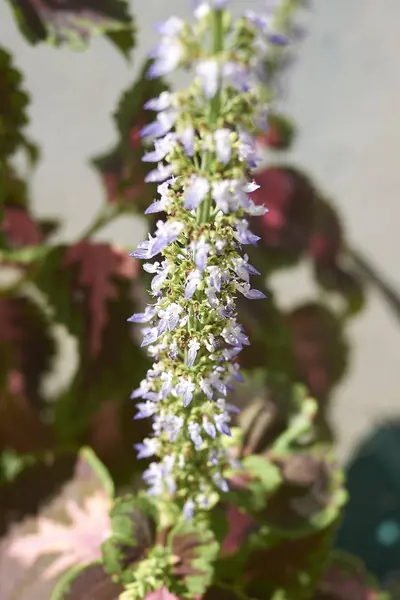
205	149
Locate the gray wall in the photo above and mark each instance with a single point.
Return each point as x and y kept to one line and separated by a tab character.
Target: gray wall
344	93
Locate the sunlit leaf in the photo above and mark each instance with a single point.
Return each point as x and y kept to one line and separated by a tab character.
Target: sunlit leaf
70	523
74	22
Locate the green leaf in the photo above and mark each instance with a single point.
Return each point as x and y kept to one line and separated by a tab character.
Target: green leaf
132	524
122	169
263	470
13	107
74	22
197	550
89	582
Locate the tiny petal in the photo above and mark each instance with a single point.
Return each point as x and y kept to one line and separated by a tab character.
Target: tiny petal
162	102
196	192
255	295
209	428
171	27
222	145
193	349
161	173
186	137
208	72
167	56
150	337
194	433
193	282
202	250
159	128
188	510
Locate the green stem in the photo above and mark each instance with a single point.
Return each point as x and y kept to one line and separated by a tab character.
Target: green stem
204	211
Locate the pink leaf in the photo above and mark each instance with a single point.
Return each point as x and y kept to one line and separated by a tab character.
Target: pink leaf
99	264
161	594
67	532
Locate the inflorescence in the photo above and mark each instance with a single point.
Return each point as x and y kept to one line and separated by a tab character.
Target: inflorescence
205	149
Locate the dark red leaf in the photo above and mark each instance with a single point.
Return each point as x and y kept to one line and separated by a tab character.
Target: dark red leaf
287	226
99	264
319	348
74	21
92	584
20	228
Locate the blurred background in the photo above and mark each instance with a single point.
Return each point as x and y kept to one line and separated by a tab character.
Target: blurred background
342	92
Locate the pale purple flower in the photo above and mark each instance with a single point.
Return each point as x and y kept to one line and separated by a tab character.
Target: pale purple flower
193	349
220	482
215	277
209	428
221	424
172	425
234	336
145	409
162	147
185	388
194	430
208	72
247	149
171	315
161	103
205	385
188	509
166	234
250	293
173	350
186	137
157	206
196	192
150	336
148	448
153	476
244	235
158	281
222	196
144	387
238	75
145	317
161	173
171	27
166	387
167	55
151	267
223	147
193	282
161	126
201	252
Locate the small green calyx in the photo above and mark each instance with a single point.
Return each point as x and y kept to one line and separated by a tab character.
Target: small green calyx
151	574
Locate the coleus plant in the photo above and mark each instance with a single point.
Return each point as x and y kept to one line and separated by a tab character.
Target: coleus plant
237	505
